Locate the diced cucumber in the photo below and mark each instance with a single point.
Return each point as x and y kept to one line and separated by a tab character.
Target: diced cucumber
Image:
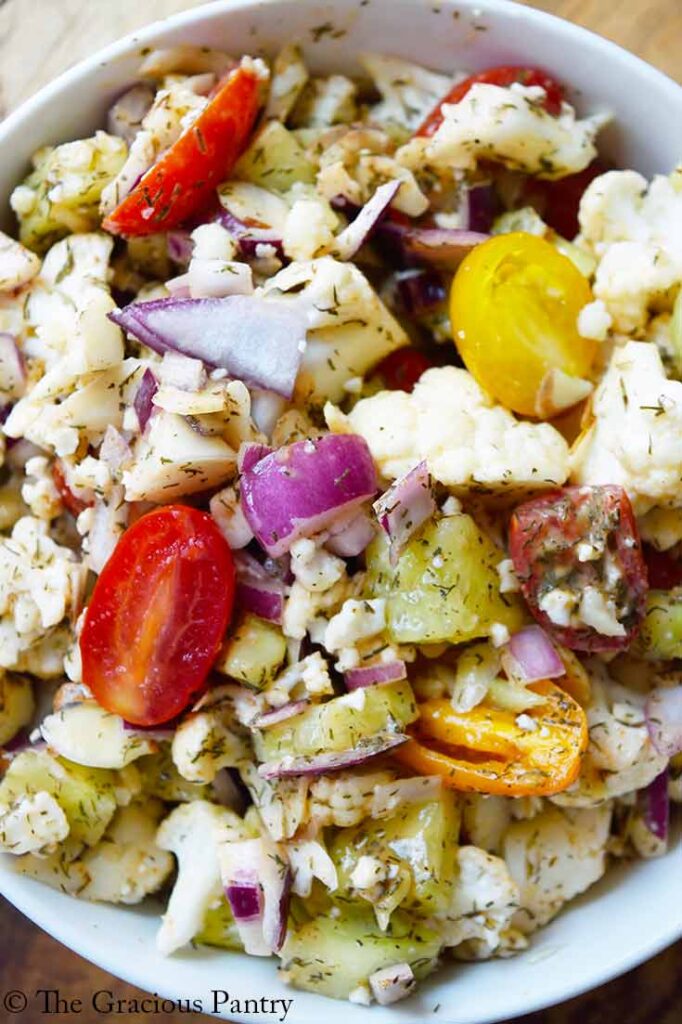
422	836
445	585
160	778
86	795
275	160
333	956
343	723
661	635
219	928
254	652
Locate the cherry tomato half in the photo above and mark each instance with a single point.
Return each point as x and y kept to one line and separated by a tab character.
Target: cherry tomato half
665	572
504	75
514	308
158	615
402	369
544	544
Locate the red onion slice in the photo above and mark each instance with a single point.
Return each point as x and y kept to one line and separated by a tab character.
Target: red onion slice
405	506
277	715
180	246
251	237
535	655
352	539
655	806
143	403
258	341
300	489
663	712
373	675
258	590
257	863
361	229
333	761
439	247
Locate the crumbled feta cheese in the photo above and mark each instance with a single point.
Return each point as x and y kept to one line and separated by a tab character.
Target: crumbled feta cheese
357	620
509	581
226	509
512	127
499	634
558	605
594	320
314	568
600	613
309	227
635	439
466	438
306	678
213	242
361	996
34	822
39	491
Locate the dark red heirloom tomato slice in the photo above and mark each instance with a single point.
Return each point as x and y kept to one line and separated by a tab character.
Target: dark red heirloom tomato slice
183	180
665	572
543	542
158	615
402	369
558	202
504	75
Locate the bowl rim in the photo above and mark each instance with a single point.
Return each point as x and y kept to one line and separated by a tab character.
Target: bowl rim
24	893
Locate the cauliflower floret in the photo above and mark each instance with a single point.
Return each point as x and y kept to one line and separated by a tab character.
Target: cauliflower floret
635	229
661	527
281	803
635	439
345	798
31	823
309	226
193	832
484	901
554	857
485	820
18	265
209	738
40	584
289	75
466	438
408	91
39	491
16	705
349	327
324	102
509	126
127	865
87	734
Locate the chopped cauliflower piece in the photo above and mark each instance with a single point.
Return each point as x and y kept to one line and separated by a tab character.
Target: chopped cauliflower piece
344	798
306	678
325	102
554	857
309	226
40	584
31	823
594	320
634	228
289	75
18	265
408	91
483	903
635	439
281	803
87	734
466	438
226	509
511	127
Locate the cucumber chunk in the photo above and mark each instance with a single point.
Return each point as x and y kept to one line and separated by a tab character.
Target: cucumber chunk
275	160
420	840
253	653
333	956
445	585
661	634
219	928
86	795
343	723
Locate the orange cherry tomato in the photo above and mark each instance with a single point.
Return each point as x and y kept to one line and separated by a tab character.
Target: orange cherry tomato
514	308
158	615
485	750
182	182
504	75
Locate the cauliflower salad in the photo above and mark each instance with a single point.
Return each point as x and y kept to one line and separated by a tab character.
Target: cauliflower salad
340	513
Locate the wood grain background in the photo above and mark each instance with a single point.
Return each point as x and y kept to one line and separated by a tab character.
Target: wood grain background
38	39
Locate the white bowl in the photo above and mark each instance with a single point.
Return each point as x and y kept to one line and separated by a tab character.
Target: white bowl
635	911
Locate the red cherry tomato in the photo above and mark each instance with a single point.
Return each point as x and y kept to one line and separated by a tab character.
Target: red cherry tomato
504	75
71	501
543	542
665	572
158	615
183	180
558	201
402	369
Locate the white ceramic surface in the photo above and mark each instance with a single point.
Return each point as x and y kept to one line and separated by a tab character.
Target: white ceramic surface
635	911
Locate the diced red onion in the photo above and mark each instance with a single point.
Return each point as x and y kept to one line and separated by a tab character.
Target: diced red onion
333	761
439	247
535	655
300	489
405	506
258	591
250	863
352	539
420	290
389	984
114	450
246	901
655	806
664	719
373	675
12	367
255	340
125	117
249	237
277	715
143	399
482	207
249	454
180	246
361	229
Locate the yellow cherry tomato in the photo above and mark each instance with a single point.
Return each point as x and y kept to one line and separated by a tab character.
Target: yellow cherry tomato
487	750
514	308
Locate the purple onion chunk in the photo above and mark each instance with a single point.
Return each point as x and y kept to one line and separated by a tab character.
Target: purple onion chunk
143	404
375	675
405	507
535	655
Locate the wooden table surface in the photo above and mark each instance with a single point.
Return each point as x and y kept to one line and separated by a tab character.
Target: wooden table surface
38	39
